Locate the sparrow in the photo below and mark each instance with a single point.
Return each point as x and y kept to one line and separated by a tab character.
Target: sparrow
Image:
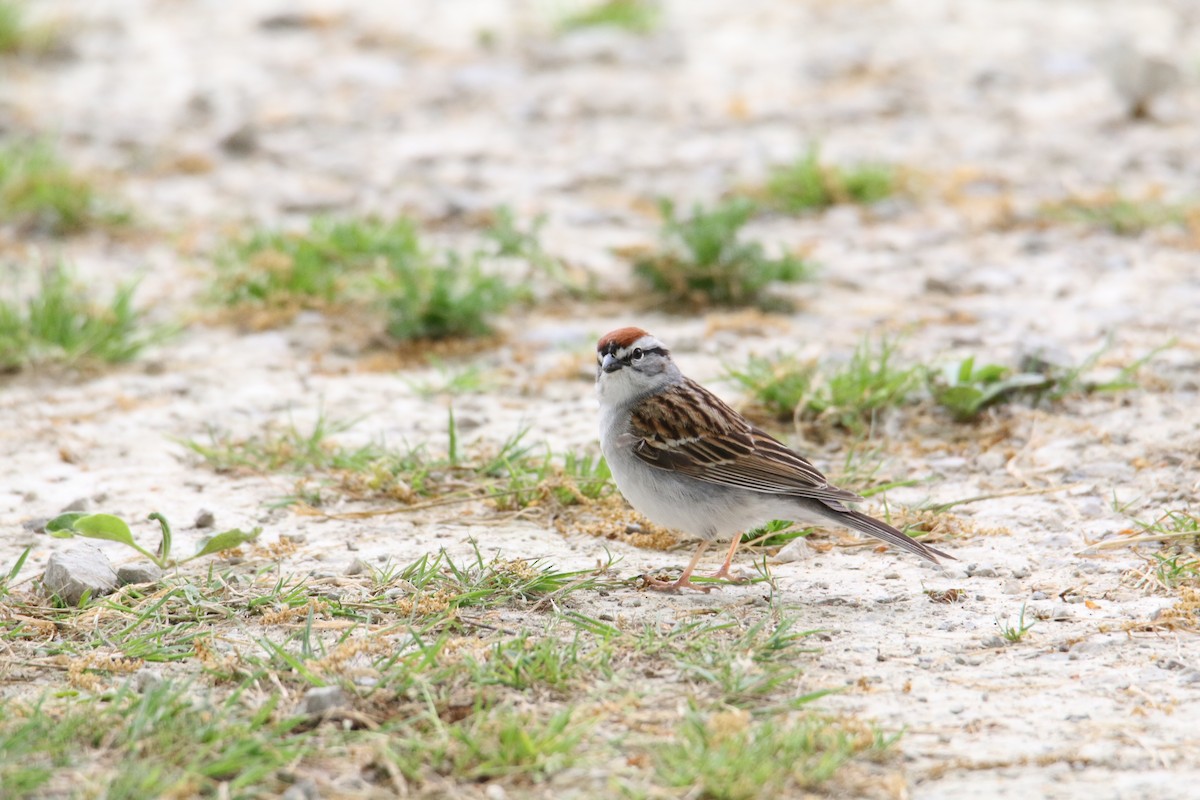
687	461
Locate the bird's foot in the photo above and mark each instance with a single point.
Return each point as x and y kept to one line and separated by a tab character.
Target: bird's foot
724	574
729	577
684	582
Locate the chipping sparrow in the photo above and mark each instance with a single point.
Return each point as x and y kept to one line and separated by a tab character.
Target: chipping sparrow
688	461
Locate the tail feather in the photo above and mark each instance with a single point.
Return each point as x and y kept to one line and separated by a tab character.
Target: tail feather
862	523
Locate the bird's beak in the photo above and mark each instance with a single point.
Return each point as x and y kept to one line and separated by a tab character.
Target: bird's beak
610	363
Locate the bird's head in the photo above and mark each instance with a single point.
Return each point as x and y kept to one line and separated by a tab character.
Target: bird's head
631	363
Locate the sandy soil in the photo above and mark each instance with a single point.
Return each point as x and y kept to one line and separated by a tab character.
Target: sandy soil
995	108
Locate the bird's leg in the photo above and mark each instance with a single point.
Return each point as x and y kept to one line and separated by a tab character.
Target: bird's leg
723	572
685	580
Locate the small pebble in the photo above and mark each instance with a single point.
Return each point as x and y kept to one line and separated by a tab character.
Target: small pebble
795	550
304	790
357	567
139	573
35	525
146	679
204	519
323	699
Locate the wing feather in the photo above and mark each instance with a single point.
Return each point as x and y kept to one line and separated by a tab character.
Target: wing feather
730	452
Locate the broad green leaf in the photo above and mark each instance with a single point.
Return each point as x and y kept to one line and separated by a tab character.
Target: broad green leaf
104	526
227	540
963	401
63	525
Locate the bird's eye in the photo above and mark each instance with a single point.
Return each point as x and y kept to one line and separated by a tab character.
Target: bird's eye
638	355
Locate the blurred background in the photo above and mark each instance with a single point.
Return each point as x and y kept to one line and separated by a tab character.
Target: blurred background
192	121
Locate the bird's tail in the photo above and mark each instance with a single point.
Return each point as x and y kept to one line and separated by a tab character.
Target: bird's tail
858	521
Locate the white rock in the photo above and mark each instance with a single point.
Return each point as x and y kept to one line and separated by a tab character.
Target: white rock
84	569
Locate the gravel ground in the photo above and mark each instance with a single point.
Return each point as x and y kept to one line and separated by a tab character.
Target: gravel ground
211	120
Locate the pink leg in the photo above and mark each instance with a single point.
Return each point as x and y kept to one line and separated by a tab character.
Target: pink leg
723	572
685	580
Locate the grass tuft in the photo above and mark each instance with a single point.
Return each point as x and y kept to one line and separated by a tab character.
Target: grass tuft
512	476
704	262
437	694
849	396
731	755
1123	216
363	264
19	36
63	324
778	384
809	185
311	269
429	300
1015	631
163	742
634	16
39	193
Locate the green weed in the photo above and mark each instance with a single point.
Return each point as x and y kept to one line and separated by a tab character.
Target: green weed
778	384
38	192
848	395
313	454
313	269
512	476
1177	564
19	36
437	693
114	529
165	741
635	16
775	533
704	262
808	184
1122	215
966	390
742	666
62	323
1015	632
526	661
736	757
429	300
363	264
503	743
869	383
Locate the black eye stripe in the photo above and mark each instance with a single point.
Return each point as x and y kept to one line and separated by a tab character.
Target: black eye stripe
612	350
628	359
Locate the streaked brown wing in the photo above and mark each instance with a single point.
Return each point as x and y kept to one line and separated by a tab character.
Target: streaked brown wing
733	453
